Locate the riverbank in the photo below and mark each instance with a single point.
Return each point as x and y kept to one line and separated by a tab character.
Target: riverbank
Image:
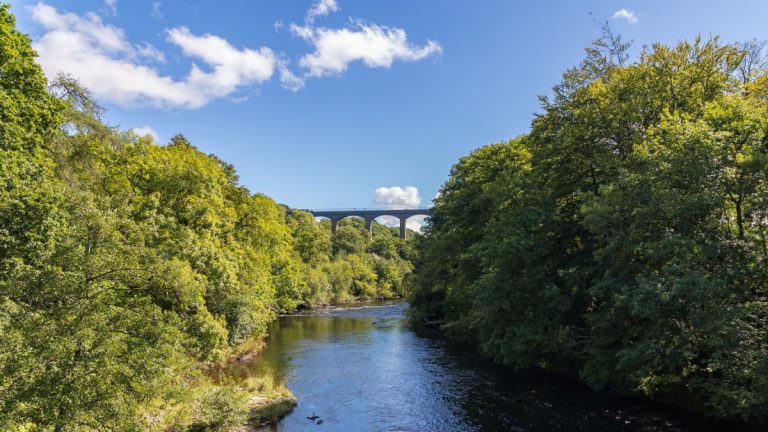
347	305
257	401
208	400
568	381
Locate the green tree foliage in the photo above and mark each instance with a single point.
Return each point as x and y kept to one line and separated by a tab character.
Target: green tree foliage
623	238
28	111
354	264
127	267
310	239
349	240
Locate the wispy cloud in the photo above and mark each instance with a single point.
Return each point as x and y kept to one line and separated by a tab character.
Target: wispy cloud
112	5
288	79
626	14
150	52
155	12
321	8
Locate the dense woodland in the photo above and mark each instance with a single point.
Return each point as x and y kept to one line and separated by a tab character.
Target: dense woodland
127	267
623	239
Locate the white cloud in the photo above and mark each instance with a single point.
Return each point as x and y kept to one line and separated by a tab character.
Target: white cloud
112	5
305	32
88	28
397	197
371	44
146	130
335	48
321	8
231	67
101	57
626	14
150	52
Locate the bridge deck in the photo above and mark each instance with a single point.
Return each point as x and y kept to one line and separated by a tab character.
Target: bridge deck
370	213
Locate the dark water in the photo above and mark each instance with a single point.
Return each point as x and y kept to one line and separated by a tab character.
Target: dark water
362	369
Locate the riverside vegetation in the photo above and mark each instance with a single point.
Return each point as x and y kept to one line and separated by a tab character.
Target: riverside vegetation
623	239
128	269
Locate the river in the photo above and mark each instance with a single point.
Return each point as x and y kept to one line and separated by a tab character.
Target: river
362	369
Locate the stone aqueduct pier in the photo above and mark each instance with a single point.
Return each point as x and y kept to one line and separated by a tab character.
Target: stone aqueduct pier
369	215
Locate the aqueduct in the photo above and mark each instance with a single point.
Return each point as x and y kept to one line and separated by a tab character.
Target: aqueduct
369	215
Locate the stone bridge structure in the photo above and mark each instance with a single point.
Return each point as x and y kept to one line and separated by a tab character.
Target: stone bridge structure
369	215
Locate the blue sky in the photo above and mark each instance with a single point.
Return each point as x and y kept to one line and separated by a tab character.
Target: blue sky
319	104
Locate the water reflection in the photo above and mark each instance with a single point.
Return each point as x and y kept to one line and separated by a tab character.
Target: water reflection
363	370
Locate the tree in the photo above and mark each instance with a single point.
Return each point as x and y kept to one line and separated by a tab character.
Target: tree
623	239
348	240
128	268
28	113
311	240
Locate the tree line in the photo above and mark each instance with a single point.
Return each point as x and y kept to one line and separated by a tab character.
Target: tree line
127	267
623	239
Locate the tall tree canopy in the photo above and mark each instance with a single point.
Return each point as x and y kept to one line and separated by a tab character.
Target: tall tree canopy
624	238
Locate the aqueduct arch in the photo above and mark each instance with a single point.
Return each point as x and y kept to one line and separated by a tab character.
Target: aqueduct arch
369	215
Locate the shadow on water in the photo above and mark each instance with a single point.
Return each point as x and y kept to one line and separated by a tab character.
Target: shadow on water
362	369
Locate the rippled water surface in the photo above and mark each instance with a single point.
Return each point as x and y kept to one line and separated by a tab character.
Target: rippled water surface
362	369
